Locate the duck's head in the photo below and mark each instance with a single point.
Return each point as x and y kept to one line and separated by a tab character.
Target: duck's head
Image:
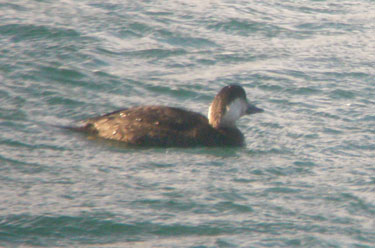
228	106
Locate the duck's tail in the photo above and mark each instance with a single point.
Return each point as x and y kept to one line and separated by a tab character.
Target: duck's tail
86	128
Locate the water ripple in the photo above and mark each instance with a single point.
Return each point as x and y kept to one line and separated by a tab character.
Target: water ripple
305	175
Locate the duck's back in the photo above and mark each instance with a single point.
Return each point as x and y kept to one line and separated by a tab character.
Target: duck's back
155	126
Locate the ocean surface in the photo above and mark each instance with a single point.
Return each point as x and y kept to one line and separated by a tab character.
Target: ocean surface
306	177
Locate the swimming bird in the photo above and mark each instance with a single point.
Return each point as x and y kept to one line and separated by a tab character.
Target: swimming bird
176	127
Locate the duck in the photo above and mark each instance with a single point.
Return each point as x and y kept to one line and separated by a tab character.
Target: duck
164	126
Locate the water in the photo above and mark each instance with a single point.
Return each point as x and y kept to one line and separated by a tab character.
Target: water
304	179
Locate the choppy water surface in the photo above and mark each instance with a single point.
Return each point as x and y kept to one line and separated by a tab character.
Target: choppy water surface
305	178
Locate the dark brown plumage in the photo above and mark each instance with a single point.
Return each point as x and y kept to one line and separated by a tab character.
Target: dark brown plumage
172	127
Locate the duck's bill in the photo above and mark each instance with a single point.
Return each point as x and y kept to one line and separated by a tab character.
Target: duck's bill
252	109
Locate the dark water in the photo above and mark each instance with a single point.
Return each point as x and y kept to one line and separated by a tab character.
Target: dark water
305	179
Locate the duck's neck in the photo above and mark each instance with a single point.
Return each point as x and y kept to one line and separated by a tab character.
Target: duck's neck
231	136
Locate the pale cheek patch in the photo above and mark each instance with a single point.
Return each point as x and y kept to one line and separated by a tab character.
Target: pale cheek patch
233	113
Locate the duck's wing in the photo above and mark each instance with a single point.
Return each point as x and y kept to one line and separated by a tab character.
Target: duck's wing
150	126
